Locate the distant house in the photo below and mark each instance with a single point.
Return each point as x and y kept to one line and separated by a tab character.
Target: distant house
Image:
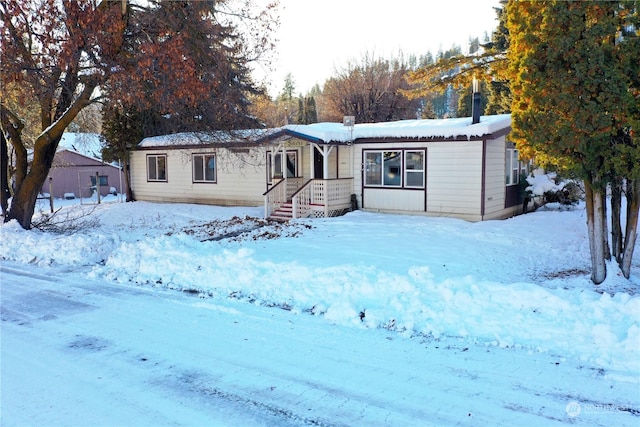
77	170
446	167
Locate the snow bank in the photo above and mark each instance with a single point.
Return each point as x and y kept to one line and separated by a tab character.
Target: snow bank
594	327
522	282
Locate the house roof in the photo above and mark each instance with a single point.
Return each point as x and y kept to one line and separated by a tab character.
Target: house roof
87	144
404	129
440	129
206	138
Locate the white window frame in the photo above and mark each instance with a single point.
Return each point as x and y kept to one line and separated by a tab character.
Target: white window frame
153	170
206	158
278	164
512	167
408	172
381	171
383	163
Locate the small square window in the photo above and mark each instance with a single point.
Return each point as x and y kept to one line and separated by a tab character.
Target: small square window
204	168
157	167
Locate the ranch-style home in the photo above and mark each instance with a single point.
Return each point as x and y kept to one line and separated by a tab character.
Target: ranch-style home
446	167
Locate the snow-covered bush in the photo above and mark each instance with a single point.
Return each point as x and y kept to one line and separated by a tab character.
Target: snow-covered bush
547	188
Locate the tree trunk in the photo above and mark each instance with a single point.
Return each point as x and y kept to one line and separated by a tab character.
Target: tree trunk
605	226
24	199
631	232
4	179
616	227
26	193
595	227
127	179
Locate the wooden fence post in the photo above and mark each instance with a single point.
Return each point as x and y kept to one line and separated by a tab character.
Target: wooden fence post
51	194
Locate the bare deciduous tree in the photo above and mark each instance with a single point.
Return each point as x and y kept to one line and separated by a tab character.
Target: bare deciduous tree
369	90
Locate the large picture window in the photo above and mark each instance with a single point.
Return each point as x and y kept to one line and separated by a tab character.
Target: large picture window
291	165
390	169
157	167
204	168
512	167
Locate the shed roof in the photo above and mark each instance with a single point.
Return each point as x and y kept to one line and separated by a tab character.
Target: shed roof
87	144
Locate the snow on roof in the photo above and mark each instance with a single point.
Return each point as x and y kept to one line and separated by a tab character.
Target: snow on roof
87	144
337	132
423	128
198	138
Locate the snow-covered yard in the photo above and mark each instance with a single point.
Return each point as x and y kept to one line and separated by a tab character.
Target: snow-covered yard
200	315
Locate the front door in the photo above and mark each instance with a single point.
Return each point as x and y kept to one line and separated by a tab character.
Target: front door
318	167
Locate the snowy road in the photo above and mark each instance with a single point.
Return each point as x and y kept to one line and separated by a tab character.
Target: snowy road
77	352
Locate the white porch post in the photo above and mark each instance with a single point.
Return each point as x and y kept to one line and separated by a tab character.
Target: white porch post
325	161
283	166
312	164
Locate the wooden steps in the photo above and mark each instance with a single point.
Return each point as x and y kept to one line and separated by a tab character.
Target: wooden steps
283	213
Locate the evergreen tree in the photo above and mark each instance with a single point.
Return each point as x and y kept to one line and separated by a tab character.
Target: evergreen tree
574	92
122	130
453	70
310	112
499	94
474	45
301	112
465	100
288	89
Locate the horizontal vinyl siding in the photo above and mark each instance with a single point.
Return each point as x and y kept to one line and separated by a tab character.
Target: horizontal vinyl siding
495	176
385	199
345	159
454	178
241	178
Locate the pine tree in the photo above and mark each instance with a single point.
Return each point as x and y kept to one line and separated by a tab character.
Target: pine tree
465	107
122	130
434	79
311	113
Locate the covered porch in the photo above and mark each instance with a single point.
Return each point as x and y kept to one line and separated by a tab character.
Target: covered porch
304	180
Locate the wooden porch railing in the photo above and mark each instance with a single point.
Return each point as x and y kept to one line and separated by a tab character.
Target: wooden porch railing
322	198
316	198
280	193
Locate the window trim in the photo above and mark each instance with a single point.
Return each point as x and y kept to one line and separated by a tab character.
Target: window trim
509	168
270	175
103	179
156	157
204	179
403	152
414	171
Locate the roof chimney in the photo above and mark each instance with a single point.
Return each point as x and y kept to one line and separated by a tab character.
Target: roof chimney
475	102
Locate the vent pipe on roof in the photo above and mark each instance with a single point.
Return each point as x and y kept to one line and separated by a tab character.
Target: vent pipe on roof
475	102
350	122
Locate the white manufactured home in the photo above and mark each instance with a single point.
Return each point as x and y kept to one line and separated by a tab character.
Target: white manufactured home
447	167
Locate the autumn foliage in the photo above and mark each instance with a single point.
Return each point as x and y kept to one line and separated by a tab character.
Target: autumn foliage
573	70
184	60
